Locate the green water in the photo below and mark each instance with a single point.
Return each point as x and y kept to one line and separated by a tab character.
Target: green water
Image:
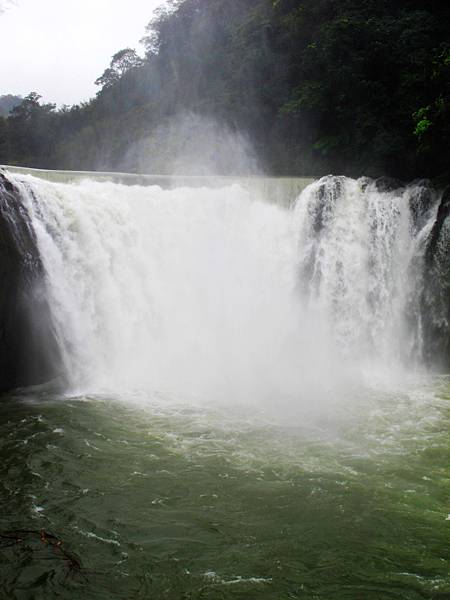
165	501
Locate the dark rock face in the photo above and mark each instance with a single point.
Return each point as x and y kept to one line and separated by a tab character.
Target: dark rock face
328	193
388	184
422	203
29	352
436	293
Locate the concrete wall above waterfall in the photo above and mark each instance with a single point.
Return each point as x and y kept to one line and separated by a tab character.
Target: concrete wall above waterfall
277	190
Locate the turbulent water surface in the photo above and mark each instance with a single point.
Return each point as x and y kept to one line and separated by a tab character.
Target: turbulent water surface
244	411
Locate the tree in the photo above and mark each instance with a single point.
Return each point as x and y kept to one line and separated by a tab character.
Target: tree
122	62
31	134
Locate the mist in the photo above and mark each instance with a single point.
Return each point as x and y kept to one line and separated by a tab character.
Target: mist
7	4
191	144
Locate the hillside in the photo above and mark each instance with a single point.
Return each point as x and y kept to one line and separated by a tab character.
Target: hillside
310	86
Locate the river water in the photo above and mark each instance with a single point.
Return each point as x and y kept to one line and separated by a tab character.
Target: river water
162	500
243	412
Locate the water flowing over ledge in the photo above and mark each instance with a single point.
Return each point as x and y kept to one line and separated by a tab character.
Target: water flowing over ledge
231	289
278	190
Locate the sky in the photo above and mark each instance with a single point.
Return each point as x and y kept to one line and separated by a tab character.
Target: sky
58	48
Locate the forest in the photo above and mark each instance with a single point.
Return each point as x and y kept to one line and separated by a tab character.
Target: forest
314	86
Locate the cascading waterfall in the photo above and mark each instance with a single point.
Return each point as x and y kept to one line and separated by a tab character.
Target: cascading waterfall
361	254
210	292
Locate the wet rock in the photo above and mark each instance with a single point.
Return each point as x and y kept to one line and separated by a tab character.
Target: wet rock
388	184
422	202
436	292
28	349
328	192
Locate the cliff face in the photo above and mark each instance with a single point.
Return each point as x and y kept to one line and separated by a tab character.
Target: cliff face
28	350
436	294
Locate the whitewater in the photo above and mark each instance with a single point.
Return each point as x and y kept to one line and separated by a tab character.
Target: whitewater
215	294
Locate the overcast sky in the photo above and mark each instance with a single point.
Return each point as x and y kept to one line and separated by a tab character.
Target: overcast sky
58	48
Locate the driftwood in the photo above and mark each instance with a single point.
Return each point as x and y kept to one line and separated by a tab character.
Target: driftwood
21	536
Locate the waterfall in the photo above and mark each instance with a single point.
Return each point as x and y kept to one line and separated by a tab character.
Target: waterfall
215	291
361	256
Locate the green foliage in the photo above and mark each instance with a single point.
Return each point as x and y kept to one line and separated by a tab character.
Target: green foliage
319	86
423	123
421	127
